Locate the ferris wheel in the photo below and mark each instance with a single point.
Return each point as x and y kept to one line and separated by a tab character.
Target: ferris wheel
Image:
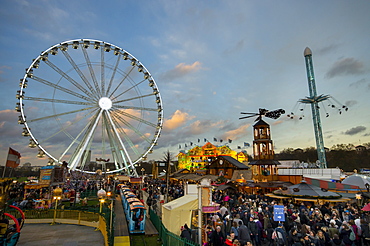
87	100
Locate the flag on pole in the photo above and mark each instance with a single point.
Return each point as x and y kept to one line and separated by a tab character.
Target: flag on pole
13	159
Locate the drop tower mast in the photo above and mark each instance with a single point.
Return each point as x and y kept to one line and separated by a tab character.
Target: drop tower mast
314	100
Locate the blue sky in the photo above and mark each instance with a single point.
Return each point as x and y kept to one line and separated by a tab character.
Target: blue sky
211	60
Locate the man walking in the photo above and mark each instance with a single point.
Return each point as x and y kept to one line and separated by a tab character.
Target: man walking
244	234
217	238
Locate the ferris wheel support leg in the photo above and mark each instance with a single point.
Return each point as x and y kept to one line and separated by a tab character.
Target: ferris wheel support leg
84	145
130	168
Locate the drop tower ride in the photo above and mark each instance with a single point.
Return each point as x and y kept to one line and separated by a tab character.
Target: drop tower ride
314	100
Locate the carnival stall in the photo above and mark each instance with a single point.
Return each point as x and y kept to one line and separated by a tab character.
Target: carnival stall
179	212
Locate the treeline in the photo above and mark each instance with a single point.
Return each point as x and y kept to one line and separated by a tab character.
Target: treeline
344	156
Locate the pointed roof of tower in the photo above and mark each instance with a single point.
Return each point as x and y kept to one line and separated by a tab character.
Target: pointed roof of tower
261	123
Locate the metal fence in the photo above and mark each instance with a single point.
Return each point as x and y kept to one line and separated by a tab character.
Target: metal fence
61	214
168	238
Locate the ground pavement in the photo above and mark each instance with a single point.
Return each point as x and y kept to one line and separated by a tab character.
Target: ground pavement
59	235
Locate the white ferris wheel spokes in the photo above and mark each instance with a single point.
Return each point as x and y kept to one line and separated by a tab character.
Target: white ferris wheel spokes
85	100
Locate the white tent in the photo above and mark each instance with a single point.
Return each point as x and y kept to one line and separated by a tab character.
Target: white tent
358	180
178	212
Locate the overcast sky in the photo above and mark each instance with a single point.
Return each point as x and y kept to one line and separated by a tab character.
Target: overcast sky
211	61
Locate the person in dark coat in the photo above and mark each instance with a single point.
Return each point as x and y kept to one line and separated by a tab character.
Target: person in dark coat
281	234
217	238
252	226
306	240
365	232
185	232
294	238
270	230
321	240
336	241
344	233
244	233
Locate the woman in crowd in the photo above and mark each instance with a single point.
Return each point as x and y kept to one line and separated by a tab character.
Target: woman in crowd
344	234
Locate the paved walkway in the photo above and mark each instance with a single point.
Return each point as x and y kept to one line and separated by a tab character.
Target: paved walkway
59	235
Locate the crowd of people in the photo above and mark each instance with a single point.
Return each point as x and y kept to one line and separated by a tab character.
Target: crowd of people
246	219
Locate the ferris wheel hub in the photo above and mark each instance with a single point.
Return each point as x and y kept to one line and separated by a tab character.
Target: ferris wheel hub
105	103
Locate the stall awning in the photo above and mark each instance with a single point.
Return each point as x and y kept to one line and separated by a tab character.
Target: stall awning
275	196
330	185
336	200
224	187
308	199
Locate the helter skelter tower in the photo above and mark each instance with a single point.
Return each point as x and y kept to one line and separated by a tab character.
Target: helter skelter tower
264	166
314	100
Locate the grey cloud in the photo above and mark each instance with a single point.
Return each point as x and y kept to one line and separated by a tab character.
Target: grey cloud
350	103
236	48
358	82
227	127
344	67
361	83
327	49
355	130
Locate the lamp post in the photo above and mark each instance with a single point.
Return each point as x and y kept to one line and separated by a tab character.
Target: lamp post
200	214
101	195
57	195
101	201
109	194
142	171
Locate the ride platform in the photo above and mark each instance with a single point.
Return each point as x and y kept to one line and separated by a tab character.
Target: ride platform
121	233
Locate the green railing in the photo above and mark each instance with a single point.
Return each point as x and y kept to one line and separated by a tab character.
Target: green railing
88	193
168	238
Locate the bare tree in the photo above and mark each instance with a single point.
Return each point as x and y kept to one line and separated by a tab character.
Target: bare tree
167	158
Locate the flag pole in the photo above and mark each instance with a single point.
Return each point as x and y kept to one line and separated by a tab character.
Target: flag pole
11	172
4	168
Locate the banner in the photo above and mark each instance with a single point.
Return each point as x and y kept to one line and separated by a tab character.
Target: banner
13	159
